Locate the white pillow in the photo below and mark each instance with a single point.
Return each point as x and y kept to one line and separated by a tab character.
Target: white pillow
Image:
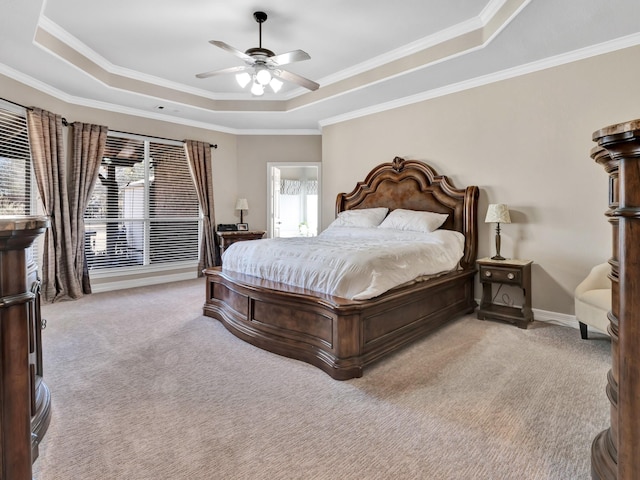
360	217
414	220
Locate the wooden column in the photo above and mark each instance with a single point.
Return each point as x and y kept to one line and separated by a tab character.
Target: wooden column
614	452
17	348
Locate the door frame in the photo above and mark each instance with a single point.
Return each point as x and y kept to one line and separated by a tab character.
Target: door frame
270	192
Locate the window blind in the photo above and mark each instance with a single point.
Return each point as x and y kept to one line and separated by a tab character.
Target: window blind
15	161
143	211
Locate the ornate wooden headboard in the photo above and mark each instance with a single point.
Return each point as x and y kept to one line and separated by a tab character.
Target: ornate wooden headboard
414	185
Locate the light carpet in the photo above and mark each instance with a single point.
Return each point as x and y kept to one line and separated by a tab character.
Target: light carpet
145	387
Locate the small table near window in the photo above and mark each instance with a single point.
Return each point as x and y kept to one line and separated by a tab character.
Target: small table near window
506	272
228	238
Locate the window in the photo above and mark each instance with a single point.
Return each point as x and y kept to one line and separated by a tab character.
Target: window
143	212
15	162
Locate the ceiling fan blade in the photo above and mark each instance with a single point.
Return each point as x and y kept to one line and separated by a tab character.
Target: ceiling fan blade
238	69
295	78
290	57
232	50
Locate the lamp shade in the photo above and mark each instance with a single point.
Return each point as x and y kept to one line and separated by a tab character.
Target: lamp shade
497	213
242	204
257	88
243	79
275	85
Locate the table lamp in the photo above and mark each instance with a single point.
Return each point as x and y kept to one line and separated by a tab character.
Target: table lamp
242	205
497	213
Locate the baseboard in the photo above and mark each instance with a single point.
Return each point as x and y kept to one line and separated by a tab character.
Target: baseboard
141	281
555	318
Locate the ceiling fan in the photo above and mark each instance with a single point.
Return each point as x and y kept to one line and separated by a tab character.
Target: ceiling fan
263	67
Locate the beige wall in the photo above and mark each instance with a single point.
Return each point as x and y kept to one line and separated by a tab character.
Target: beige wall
254	152
525	142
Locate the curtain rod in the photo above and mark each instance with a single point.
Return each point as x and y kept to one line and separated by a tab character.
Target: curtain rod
66	124
214	145
64	120
15	103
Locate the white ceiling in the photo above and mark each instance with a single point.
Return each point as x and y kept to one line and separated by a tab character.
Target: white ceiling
140	57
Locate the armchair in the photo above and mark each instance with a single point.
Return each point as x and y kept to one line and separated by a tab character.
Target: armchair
593	300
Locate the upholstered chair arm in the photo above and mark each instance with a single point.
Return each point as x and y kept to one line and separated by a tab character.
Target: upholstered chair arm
596	280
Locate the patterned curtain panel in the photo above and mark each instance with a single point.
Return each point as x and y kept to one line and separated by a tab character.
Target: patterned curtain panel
88	149
45	139
297	187
199	156
64	273
311	187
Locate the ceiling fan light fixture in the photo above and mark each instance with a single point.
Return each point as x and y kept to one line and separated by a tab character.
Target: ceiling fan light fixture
275	85
261	63
243	79
263	75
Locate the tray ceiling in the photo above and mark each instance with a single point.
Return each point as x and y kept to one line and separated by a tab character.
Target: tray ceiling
141	57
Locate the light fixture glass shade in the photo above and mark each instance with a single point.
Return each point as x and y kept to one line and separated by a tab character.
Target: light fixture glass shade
275	85
263	75
242	204
498	213
243	79
257	89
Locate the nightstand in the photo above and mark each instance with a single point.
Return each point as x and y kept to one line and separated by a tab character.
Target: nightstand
227	238
506	272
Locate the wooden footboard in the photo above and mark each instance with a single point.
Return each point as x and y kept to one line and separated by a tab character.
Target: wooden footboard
336	335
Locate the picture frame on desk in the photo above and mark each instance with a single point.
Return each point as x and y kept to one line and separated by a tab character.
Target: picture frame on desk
243	227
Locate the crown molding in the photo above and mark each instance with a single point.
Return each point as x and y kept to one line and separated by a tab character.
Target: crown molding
110	107
75	44
478	30
558	60
53	29
491	10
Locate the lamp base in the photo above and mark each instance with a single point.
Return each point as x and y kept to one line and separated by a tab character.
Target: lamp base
498	257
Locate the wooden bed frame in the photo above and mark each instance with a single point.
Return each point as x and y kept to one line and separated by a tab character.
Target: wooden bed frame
342	336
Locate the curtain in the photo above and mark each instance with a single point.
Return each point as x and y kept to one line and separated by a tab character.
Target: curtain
88	149
297	187
45	139
199	157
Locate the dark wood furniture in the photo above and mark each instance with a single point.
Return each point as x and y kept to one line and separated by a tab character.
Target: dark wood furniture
342	336
24	397
228	238
614	452
505	272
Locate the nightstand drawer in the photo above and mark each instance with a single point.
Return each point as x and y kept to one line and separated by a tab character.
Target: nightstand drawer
500	274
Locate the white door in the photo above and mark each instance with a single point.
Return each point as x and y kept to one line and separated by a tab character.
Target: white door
275	203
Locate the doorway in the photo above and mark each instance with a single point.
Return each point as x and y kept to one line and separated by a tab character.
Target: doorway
293	199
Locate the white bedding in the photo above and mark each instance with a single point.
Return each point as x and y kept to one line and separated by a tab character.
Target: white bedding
348	262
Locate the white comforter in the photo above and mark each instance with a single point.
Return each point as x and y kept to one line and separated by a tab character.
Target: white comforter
348	262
